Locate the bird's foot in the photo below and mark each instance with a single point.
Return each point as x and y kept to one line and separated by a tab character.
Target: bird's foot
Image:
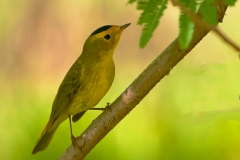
75	144
108	107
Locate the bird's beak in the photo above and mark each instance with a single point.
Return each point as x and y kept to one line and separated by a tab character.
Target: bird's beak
124	26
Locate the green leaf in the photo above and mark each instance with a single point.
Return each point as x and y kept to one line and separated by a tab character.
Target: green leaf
185	30
147	7
131	1
152	12
191	4
209	12
230	2
185	24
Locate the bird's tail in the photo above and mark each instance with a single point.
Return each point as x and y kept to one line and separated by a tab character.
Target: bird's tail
44	139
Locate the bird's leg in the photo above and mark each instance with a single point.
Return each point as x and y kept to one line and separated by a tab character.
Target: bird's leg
101	109
98	109
74	140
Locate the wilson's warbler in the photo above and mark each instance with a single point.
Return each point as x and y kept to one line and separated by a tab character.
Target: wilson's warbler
85	84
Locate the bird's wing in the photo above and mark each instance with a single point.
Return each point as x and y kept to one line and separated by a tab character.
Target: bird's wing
66	92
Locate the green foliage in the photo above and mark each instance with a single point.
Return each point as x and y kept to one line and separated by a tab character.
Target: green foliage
185	24
149	19
131	1
209	12
152	11
230	2
185	31
194	109
193	113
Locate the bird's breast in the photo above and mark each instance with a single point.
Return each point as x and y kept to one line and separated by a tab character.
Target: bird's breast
96	82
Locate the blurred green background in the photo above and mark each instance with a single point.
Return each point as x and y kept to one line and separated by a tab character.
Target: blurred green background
193	113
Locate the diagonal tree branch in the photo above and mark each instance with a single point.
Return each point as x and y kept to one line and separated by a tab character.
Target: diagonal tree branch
205	25
141	86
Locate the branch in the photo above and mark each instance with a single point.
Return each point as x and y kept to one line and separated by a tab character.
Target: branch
141	86
205	25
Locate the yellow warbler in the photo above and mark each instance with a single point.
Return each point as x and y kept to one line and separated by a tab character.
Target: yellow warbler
85	84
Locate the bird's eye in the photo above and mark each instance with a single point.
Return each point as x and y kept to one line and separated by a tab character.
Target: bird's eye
107	36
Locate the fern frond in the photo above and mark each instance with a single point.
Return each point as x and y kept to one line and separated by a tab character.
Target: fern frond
142	4
185	24
209	11
185	30
131	1
152	12
191	4
147	7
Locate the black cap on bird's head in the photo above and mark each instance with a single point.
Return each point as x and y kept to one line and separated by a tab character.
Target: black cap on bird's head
103	28
106	27
104	38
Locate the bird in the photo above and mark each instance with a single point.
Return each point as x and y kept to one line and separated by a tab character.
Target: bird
86	82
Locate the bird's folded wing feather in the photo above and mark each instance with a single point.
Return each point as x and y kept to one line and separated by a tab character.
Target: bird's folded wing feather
65	95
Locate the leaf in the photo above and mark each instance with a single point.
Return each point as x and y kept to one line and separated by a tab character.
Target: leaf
185	30
185	24
152	12
230	2
191	4
131	1
147	7
209	12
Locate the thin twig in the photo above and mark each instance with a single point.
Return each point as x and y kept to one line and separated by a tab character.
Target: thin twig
205	25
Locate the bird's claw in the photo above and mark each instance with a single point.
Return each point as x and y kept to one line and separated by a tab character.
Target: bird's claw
108	107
